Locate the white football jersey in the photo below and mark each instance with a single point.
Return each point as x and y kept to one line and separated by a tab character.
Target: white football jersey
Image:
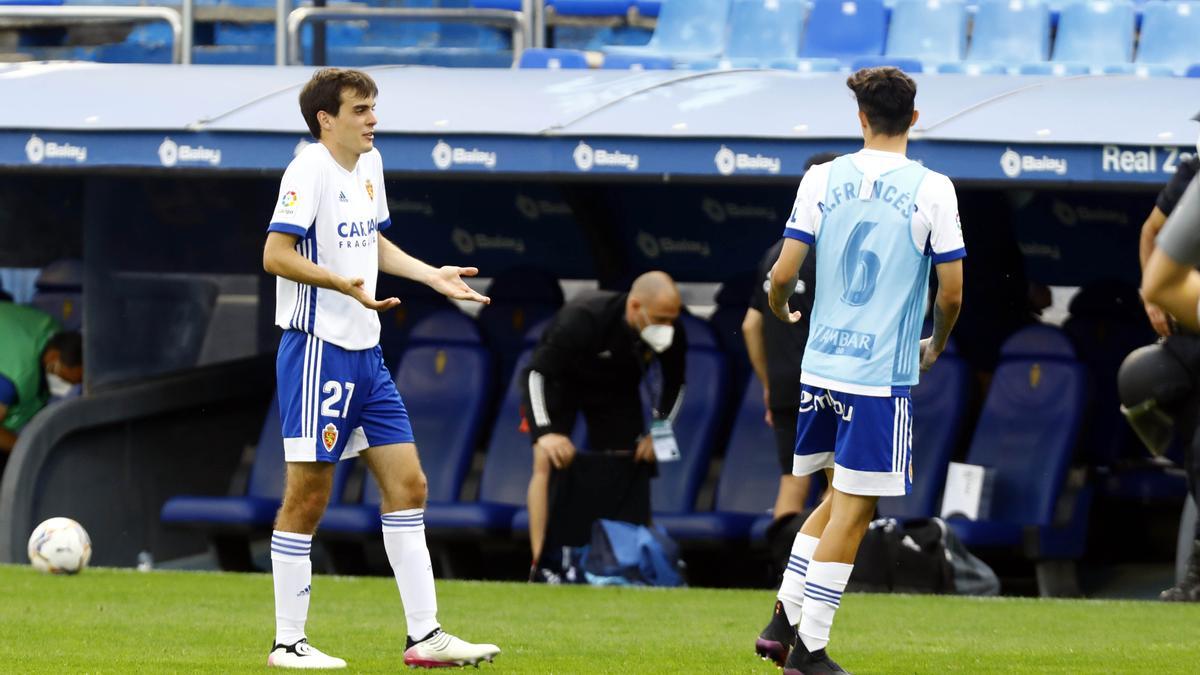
337	214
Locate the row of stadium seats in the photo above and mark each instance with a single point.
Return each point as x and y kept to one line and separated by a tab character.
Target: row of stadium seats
1027	434
950	36
1000	36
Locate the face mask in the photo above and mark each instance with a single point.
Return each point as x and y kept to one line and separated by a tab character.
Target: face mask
659	337
58	386
1198	146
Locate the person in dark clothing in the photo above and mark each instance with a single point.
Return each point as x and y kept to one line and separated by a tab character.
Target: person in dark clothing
776	349
1184	344
1163	206
593	359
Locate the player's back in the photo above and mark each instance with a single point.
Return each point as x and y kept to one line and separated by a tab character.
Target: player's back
872	281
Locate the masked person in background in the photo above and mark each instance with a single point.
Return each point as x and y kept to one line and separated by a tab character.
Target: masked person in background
597	354
36	362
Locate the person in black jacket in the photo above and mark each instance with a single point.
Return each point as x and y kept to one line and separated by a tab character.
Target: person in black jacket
594	359
1178	341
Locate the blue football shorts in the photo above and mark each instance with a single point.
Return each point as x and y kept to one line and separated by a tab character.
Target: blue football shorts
334	403
867	440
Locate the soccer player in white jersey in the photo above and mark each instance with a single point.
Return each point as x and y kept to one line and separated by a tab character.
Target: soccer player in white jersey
337	399
877	221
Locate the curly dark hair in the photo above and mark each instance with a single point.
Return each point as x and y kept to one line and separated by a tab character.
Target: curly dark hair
885	94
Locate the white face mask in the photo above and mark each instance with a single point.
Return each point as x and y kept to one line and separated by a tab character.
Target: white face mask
1198	146
658	336
58	386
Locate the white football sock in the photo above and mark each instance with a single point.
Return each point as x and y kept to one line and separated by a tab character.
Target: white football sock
404	539
791	591
822	594
291	570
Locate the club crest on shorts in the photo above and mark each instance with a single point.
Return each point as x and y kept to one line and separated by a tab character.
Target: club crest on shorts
370	189
329	437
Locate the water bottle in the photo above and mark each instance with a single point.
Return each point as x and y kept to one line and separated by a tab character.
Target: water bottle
145	561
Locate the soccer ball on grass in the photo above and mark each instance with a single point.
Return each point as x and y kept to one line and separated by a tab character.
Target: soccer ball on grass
60	546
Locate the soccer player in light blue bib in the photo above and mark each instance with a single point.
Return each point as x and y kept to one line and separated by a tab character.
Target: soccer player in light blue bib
877	221
337	399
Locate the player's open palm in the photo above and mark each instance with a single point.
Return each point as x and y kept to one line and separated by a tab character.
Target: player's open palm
447	280
357	290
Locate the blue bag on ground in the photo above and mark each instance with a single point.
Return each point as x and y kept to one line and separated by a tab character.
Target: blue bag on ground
638	555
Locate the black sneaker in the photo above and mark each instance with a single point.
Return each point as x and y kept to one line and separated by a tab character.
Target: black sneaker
804	662
1188	589
777	639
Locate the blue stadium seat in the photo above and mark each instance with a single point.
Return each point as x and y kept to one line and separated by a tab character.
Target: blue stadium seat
686	30
590	7
553	59
928	30
1010	32
807	65
939	406
234	55
402	33
761	31
58	291
595	38
251	512
747	486
1106	323
445	57
636	62
973	68
471	35
696	424
1168	35
1141	70
1027	433
1193	70
444	377
845	29
1055	69
125	52
908	65
1096	33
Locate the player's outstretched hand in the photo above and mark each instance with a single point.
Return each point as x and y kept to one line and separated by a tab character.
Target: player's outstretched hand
354	288
447	280
928	355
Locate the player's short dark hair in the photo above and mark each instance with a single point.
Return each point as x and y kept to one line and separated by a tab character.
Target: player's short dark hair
324	92
70	348
885	94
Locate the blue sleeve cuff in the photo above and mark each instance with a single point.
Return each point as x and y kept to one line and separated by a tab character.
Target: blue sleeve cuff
799	235
949	256
8	391
287	228
384	225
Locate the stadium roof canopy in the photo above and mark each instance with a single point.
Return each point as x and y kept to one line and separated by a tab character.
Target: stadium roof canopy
760	124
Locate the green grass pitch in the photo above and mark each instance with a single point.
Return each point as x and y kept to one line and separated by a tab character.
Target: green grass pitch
118	621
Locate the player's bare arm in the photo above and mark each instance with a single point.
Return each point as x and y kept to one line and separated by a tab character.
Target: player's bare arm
1173	286
945	311
281	259
783	278
446	280
1150	229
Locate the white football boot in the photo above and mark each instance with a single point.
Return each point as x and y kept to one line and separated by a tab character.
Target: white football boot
440	649
302	655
